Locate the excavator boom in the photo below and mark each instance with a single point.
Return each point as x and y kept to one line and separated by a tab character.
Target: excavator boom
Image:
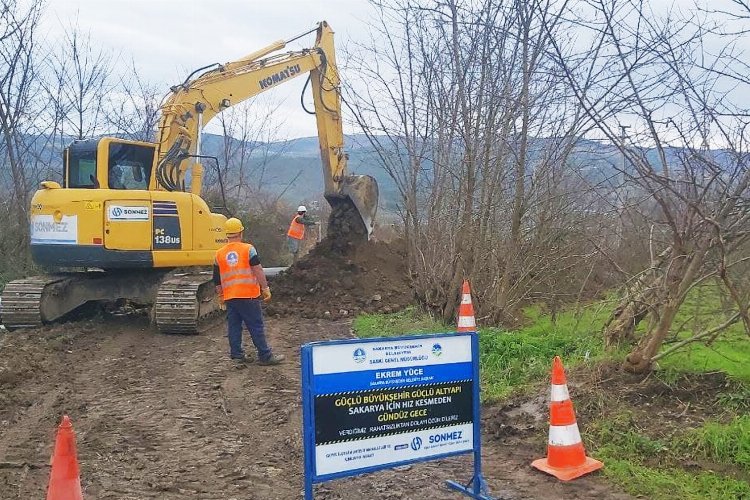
195	102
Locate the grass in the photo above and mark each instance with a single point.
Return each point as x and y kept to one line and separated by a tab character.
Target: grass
512	359
642	465
736	399
722	443
408	321
509	359
652	468
672	483
729	353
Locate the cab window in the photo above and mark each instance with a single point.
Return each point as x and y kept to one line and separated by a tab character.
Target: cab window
129	166
81	170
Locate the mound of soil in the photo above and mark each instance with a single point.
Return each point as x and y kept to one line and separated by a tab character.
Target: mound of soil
335	281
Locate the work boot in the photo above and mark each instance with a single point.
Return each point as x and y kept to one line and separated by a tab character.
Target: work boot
275	359
240	363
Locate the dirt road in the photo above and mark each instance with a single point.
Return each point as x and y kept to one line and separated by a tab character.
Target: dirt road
161	416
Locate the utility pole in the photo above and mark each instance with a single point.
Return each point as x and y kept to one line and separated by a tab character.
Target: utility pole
315	206
623	136
621	191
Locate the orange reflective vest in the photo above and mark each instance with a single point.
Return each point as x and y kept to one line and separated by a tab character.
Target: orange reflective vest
237	278
296	229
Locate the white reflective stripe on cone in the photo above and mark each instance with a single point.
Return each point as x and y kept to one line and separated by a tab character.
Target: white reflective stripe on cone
564	435
466	298
465	321
560	392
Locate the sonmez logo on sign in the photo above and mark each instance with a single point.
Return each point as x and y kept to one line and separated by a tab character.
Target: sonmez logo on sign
416	443
446	436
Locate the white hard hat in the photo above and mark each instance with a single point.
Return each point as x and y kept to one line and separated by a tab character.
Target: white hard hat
301	208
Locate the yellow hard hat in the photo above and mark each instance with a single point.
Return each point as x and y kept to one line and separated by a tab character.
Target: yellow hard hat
233	226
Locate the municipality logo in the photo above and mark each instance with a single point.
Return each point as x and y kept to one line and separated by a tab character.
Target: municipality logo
437	349
233	258
416	443
359	355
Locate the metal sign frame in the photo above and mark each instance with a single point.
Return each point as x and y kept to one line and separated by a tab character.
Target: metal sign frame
475	488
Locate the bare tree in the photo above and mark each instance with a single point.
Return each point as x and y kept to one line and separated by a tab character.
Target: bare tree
81	76
687	158
464	110
18	89
133	107
250	142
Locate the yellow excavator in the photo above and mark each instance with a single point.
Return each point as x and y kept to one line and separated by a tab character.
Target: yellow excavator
130	213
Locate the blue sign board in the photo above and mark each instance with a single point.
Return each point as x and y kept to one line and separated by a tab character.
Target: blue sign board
378	403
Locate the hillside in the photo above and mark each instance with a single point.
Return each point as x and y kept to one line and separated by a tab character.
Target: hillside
293	166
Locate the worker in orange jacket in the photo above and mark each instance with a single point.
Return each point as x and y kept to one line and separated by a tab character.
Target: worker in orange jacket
241	284
296	232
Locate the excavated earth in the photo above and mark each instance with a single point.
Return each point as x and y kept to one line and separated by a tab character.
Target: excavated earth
332	282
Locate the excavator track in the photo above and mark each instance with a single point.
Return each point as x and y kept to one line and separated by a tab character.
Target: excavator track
183	301
22	300
180	300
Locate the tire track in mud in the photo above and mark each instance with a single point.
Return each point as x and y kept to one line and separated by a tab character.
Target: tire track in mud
160	416
166	421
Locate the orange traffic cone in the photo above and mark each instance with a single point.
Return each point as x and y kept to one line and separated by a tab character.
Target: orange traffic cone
65	479
466	322
566	458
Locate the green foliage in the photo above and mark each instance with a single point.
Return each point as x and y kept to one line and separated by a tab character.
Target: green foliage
642	465
641	480
509	359
728	354
512	358
669	376
737	399
722	443
618	436
405	322
651	467
702	310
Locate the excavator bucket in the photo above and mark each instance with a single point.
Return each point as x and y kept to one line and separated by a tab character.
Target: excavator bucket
363	191
354	208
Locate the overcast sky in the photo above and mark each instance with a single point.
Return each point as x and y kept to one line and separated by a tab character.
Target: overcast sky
167	39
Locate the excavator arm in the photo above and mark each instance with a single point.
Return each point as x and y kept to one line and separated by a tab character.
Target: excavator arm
195	102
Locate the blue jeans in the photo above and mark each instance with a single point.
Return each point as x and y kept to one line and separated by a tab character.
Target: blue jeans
293	245
246	311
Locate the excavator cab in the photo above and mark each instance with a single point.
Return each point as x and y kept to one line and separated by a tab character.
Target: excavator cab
110	214
111	220
108	163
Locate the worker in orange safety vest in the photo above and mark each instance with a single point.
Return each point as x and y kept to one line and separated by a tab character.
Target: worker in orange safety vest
241	284
296	232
